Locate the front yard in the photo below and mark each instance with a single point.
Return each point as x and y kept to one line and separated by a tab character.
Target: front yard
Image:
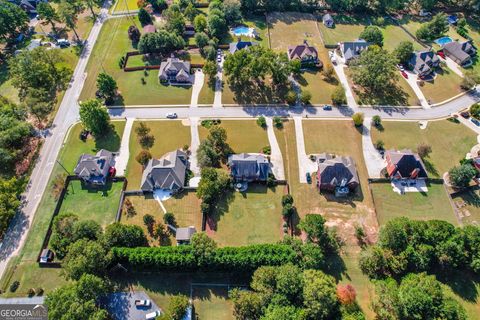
415	205
446	85
170	135
450	141
135	87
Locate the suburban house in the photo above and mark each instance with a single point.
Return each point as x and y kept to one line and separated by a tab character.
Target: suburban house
175	70
149	28
246	167
405	164
352	49
328	20
423	63
184	235
307	55
95	169
460	52
337	175
166	173
29	6
239	45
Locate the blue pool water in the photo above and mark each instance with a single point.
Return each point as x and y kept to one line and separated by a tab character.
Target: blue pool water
241	31
443	41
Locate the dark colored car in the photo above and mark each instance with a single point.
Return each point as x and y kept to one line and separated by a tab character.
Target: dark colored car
309	178
327	107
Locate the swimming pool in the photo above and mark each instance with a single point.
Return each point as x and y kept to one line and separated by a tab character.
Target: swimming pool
443	41
241	31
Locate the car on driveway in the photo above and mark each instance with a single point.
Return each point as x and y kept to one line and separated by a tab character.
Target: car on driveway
327	107
404	74
152	315
171	115
142	303
475	121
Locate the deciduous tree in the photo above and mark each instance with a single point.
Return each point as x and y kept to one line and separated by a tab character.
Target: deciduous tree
94	117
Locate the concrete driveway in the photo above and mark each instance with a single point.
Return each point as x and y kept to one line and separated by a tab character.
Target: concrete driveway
304	163
197	88
412	81
276	158
121	159
194	144
373	159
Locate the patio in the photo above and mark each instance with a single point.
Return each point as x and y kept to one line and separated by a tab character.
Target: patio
404	186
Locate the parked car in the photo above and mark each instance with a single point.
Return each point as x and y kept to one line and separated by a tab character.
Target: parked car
143	303
424	13
475	121
152	315
63	43
171	115
309	178
465	114
327	107
400	67
219	58
404	74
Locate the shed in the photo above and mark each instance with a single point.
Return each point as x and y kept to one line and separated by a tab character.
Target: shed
328	21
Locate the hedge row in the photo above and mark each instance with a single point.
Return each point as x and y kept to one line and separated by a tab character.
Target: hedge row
227	258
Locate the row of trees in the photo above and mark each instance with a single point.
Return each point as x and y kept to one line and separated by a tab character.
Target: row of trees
415	246
290	293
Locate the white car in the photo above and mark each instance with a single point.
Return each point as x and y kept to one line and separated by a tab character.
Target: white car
152	315
143	303
424	13
171	115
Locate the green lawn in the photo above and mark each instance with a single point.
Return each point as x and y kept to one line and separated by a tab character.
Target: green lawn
212	303
393	35
207	94
111	45
178	136
415	205
242	135
450	141
347	28
98	204
321	90
125	5
252	217
446	85
468	205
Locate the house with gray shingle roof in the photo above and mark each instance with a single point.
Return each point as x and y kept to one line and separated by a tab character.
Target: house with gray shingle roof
352	49
308	55
460	52
167	173
174	71
95	169
246	167
424	62
338	172
184	235
240	45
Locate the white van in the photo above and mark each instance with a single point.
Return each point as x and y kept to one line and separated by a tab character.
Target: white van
152	315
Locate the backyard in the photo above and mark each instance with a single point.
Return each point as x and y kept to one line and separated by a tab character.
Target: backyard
178	137
468	206
259	24
450	141
415	205
135	87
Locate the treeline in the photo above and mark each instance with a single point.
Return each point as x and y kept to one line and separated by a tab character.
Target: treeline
415	246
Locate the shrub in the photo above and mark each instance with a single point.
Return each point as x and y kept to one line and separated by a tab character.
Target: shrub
262	122
31	292
288	210
475	110
305	97
39	291
377	121
379	145
14	286
424	150
147	141
178	306
461	176
287	199
358	119
149	221
277	122
267	150
169	218
271	181
338	96
143	157
346	294
291	97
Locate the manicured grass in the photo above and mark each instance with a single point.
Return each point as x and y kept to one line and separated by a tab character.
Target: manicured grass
450	141
140	61
111	45
169	136
393	35
252	217
415	205
446	85
125	5
98	204
185	206
347	28
75	147
468	205
212	303
207	94
242	135
341	138
260	25
321	90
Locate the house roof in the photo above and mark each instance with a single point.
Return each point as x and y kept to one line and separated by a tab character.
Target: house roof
404	163
452	19
173	66
239	45
168	172
459	50
353	49
423	61
91	167
246	166
149	28
334	171
327	18
302	51
185	234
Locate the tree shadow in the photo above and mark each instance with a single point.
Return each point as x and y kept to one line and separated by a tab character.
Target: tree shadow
430	167
463	283
110	140
258	92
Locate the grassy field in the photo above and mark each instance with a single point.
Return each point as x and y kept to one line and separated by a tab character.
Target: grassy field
415	205
450	142
347	28
212	303
98	204
111	45
393	35
341	138
242	135
445	86
178	136
125	5
251	217
468	205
